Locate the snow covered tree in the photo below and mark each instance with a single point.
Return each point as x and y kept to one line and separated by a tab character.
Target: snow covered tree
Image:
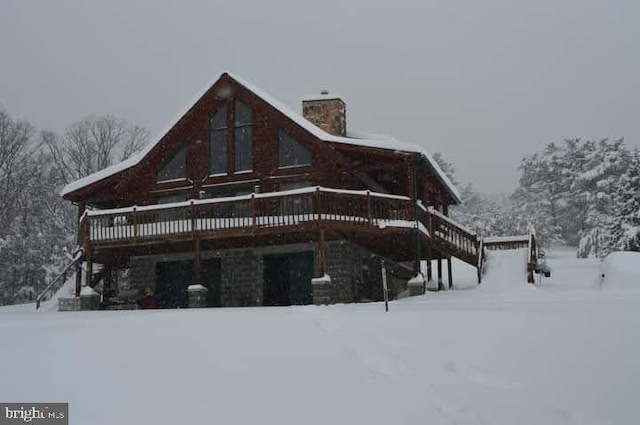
606	162
38	226
624	223
447	167
541	196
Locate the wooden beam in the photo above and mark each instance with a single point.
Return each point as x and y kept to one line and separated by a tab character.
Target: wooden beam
429	268
196	261
78	280
322	254
108	280
449	272
89	274
439	262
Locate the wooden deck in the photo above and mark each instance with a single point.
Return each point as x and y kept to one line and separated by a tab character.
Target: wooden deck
396	223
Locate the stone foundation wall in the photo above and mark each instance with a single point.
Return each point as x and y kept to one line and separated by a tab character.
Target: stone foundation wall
355	273
242	278
81	303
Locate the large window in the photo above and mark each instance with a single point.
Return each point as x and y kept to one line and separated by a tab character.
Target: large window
172	214
297	205
231	209
175	168
218	141
291	153
243	136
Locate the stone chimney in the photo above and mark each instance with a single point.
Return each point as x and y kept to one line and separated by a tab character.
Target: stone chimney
326	111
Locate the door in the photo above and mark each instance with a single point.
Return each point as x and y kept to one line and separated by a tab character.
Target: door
277	281
301	272
287	279
172	280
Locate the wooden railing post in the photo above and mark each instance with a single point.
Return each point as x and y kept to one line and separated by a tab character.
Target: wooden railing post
253	211
316	204
369	218
192	212
134	216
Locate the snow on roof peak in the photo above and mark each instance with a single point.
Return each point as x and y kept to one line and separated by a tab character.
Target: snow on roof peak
366	140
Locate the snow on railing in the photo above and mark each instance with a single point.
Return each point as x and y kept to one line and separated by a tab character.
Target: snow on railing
253	211
451	221
297	207
279	194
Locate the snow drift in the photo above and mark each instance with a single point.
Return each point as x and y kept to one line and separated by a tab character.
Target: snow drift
621	269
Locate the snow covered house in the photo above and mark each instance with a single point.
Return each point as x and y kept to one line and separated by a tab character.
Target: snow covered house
264	206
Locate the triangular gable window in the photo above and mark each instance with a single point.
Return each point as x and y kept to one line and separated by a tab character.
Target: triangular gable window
175	168
292	153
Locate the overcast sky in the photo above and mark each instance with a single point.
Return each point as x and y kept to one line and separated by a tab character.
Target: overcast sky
484	82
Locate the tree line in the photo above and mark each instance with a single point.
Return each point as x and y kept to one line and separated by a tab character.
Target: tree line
38	228
580	193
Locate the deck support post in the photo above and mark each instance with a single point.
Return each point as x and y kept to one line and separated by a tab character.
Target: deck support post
322	254
89	274
78	280
108	280
429	268
449	272
418	254
440	284
196	261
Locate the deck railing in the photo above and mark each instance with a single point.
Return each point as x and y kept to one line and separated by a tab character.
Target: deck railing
498	243
259	211
247	212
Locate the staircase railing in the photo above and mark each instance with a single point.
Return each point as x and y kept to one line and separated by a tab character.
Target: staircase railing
454	238
60	279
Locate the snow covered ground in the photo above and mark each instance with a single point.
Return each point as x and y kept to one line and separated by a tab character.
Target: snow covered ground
504	352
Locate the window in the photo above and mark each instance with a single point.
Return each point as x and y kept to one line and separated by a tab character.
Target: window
218	141
170	199
291	152
243	136
175	168
298	205
171	214
231	209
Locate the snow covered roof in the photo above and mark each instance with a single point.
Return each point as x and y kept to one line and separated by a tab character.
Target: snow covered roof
379	142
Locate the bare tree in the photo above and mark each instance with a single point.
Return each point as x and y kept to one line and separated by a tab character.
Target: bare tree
92	144
15	149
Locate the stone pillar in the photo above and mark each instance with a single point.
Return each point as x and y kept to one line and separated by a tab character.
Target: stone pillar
416	285
322	290
89	299
197	296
